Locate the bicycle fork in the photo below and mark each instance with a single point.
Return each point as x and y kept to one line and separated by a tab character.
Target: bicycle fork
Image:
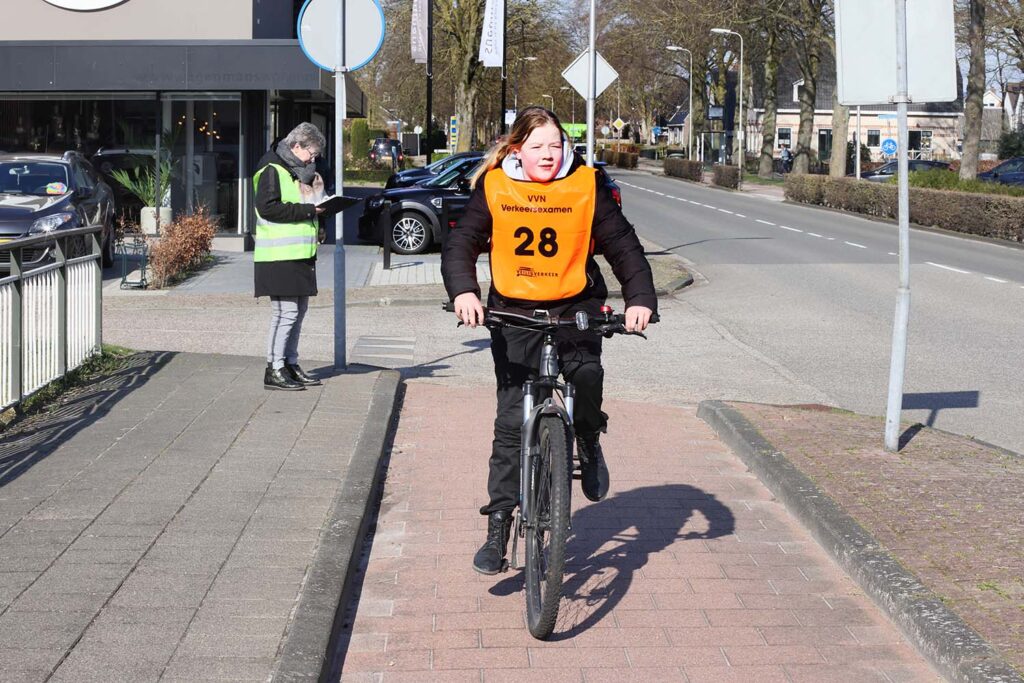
529	442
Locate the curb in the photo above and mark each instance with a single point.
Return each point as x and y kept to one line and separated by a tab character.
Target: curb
307	653
952	647
675	285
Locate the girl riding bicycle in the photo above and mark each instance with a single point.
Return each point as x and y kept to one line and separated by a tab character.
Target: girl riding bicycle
540	213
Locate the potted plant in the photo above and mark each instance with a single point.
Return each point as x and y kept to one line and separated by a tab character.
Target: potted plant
150	187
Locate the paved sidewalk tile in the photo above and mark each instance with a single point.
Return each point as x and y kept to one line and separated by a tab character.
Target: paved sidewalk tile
166	528
688	571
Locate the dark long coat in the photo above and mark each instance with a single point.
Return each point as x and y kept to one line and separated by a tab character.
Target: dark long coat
282	278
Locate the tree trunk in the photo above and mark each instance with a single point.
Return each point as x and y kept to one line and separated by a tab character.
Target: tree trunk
973	107
465	113
809	58
771	81
808	93
840	131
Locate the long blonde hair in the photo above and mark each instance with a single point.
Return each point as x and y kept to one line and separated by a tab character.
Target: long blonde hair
526	122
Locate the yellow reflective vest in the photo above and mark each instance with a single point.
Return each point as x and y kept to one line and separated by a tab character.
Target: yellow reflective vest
284	241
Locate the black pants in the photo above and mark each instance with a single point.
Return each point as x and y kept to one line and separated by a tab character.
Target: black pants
516	356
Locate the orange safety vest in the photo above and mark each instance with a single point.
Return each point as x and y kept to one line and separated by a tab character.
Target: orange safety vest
541	234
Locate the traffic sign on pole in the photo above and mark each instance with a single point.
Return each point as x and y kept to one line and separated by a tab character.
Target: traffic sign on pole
340	36
889	146
319	32
869	76
576	74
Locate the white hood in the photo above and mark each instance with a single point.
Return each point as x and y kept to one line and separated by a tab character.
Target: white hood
513	167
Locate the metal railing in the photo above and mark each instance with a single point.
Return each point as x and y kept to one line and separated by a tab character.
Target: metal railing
50	309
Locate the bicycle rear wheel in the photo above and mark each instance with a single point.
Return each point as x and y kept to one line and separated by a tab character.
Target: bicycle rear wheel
548	530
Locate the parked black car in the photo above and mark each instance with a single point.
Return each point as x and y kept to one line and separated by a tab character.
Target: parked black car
381	152
413	219
43	193
1010	172
414	176
889	170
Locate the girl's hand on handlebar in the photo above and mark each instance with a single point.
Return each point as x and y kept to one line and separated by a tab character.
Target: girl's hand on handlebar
637	318
468	309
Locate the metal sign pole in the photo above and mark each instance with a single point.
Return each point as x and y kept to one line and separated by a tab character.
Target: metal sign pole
856	146
899	335
340	104
591	81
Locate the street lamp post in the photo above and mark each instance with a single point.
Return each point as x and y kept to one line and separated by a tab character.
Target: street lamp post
689	117
572	100
552	102
515	93
743	149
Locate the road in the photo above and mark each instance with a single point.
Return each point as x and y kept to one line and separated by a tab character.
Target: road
812	293
792	305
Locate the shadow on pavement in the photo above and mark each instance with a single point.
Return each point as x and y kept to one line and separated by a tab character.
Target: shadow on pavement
668	251
431	368
33	440
613	539
940	400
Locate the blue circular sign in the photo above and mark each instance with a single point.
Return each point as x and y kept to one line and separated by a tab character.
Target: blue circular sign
889	146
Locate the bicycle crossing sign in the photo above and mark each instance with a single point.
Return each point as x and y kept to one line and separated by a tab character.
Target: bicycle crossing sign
889	146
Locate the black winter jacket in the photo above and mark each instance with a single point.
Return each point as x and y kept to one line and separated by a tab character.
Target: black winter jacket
612	233
282	278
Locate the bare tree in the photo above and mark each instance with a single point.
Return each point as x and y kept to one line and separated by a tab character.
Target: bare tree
840	132
810	26
974	104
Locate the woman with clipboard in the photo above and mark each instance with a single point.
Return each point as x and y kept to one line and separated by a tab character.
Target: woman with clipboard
288	192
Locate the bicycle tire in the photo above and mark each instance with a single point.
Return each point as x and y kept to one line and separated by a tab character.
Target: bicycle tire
548	531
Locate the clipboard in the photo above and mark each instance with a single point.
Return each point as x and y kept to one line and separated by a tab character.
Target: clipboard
337	203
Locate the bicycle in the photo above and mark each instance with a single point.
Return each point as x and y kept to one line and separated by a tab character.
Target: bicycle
546	460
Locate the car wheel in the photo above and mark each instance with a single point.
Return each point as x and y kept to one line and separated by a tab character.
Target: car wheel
410	233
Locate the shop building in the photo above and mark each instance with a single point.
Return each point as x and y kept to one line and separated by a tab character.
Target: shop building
218	80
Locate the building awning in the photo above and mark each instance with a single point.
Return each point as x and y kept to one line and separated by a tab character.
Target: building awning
27	67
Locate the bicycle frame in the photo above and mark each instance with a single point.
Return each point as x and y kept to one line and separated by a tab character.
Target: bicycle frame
532	411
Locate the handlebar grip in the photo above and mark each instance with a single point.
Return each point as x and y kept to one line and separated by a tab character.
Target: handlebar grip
655	318
448	306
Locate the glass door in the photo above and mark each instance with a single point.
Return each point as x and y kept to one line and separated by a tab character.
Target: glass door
206	149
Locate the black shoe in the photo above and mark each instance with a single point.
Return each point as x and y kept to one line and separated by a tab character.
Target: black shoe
279	379
490	559
300	376
593	470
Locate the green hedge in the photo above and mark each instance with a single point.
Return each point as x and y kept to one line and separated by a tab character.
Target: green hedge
685	168
626	159
369	176
988	215
437	156
360	138
726	176
941	179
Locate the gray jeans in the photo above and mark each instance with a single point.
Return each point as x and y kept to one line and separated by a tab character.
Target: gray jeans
286	314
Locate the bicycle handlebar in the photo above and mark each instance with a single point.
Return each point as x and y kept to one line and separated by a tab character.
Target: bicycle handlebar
605	324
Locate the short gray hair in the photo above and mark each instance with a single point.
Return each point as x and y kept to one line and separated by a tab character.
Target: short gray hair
306	136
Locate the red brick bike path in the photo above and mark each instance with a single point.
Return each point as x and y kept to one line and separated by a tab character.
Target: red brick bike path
688	571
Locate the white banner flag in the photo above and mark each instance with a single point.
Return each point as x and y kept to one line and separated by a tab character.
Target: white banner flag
419	31
492	41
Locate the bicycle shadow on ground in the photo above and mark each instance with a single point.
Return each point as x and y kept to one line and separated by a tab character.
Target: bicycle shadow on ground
613	539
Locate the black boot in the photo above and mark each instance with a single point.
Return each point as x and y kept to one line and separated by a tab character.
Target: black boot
593	470
490	559
299	375
279	379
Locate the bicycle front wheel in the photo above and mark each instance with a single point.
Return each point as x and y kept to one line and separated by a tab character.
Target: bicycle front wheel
548	530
